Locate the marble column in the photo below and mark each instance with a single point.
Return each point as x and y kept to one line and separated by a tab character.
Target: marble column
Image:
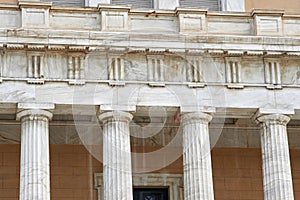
198	182
35	163
277	177
117	174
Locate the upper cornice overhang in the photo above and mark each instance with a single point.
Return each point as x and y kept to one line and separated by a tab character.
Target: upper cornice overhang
34	4
207	39
229	49
25	3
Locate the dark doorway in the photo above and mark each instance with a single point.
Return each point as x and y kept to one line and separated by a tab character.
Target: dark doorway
150	194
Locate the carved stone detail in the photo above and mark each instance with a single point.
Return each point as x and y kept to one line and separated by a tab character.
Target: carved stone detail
268	22
233	72
277	174
156	71
2	64
173	181
116	70
192	20
272	72
198	181
76	69
35	163
113	18
194	71
116	147
35	14
35	68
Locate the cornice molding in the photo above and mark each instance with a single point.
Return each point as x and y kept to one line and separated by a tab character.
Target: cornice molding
151	51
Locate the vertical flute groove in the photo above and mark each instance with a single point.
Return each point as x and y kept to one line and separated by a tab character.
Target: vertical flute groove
41	71
150	70
233	72
35	66
161	70
278	73
195	67
116	69
76	68
228	72
273	73
122	69
277	176
196	157
267	72
117	156
70	67
34	166
82	67
156	68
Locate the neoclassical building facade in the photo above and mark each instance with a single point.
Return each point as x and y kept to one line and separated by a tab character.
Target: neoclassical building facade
153	101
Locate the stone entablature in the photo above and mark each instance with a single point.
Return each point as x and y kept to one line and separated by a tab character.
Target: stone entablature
185	46
233	71
79	65
158	49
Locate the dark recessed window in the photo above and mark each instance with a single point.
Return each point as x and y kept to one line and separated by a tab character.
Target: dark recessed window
134	3
66	2
210	4
150	194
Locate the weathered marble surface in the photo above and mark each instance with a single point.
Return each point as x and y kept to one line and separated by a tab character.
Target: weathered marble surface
198	183
35	161
80	58
117	173
277	175
143	95
89	18
14	64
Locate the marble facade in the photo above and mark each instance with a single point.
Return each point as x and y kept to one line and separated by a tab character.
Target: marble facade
199	64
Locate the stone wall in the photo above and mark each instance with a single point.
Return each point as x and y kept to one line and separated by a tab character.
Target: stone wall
287	5
9	171
237	173
8	1
72	171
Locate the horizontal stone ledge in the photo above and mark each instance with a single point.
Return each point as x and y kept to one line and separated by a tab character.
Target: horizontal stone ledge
194	109
34	4
91	109
164	51
36	105
95	38
271	12
286	111
272	111
108	108
144	10
75	82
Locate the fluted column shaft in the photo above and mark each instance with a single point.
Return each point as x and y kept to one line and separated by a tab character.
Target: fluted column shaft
198	183
117	174
34	166
277	175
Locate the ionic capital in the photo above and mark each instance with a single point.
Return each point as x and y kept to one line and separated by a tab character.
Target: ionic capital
35	110
34	114
115	116
280	118
196	116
